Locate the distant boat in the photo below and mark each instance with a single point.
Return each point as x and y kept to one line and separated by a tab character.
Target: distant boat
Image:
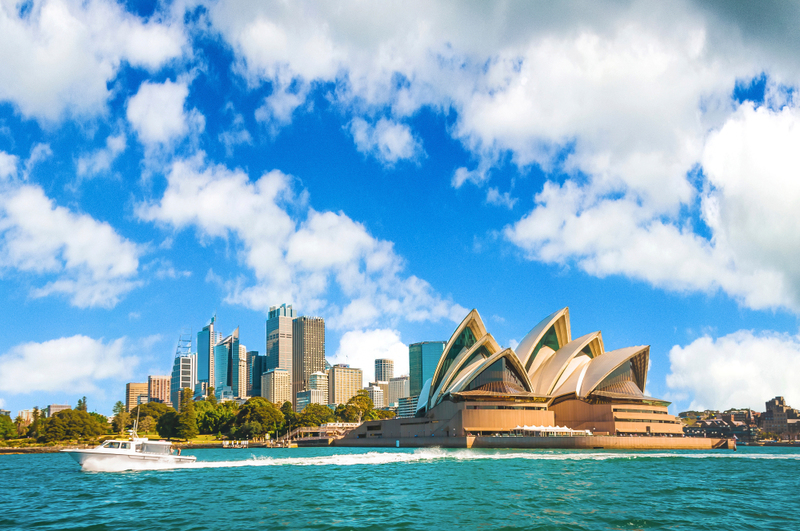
135	448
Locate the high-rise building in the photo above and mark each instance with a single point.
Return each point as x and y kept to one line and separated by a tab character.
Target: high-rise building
158	389
239	372
384	370
206	339
133	392
319	382
376	395
398	388
308	351
254	372
343	383
310	396
279	337
225	372
407	407
385	388
276	386
422	360
184	374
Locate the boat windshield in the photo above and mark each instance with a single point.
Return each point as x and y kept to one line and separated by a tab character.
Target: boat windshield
111	444
162	449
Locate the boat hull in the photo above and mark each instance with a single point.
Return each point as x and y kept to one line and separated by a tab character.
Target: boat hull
87	456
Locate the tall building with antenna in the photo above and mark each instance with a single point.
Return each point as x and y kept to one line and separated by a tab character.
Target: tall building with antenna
279	338
207	338
184	368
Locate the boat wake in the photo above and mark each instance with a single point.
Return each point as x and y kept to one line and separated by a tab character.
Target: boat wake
373	458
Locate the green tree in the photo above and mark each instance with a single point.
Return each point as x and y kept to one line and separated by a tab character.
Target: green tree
146	424
186	423
102	419
166	424
211	397
7	428
35	427
150	409
287	408
121	421
250	430
119	407
314	415
81	404
259	410
21	425
71	425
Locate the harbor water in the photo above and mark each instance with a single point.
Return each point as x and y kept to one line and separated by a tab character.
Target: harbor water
355	488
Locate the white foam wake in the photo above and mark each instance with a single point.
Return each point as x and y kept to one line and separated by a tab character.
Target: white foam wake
374	458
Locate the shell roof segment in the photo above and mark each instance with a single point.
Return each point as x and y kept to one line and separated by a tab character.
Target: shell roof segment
546	362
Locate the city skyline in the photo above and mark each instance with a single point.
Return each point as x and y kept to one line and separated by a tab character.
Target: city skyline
391	169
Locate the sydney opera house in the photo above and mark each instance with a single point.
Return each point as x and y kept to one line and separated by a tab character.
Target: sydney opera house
481	390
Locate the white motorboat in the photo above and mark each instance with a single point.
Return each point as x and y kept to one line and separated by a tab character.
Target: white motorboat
137	449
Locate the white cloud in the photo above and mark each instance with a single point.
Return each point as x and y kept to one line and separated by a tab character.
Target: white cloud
8	164
748	204
91	262
59	58
360	349
494	197
741	369
387	141
157	113
70	364
279	107
100	161
299	258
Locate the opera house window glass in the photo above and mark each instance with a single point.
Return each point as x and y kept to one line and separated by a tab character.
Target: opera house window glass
499	377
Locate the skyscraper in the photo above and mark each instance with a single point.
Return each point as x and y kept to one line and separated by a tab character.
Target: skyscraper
343	383
384	370
239	371
398	388
255	369
223	365
276	386
158	389
184	374
376	395
206	339
422	360
134	392
279	337
308	351
319	382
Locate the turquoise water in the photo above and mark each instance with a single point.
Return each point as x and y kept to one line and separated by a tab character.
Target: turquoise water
327	488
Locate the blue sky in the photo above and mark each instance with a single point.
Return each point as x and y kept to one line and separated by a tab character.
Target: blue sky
390	167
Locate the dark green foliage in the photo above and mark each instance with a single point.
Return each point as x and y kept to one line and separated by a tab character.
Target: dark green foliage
102	419
287	407
314	415
81	404
217	418
166	424
250	430
35	427
211	397
150	409
186	423
70	424
7	428
257	411
119	407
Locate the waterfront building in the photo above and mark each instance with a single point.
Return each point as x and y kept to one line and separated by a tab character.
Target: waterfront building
310	396
239	372
344	383
479	388
375	394
779	418
206	339
5	412
384	386
397	389
422	360
158	389
134	392
224	370
184	374
52	409
319	382
279	337
276	386
308	351
384	370
407	407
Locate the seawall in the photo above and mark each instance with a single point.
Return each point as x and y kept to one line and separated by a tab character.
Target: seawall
605	442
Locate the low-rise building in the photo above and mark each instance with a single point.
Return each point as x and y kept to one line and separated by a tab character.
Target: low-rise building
52	409
310	396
